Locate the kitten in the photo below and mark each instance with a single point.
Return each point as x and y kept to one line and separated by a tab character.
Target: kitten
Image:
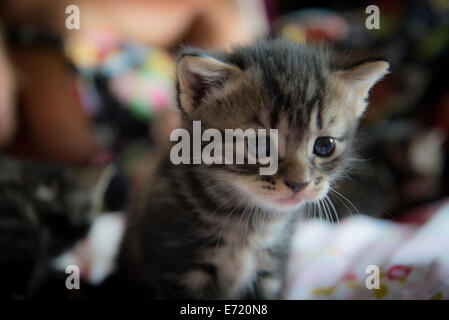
44	210
223	231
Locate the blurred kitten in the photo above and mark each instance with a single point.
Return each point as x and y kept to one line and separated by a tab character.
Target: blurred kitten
44	210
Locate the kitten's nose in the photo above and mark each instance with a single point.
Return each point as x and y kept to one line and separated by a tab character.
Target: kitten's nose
296	186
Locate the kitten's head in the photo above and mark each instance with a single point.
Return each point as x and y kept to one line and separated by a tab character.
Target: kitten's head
299	90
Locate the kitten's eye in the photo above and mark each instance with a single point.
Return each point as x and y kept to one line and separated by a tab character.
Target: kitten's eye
324	146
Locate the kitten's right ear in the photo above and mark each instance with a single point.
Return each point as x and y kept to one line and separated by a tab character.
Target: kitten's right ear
197	75
360	79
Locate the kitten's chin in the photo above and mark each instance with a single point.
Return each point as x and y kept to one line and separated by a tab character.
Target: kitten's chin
291	201
285	203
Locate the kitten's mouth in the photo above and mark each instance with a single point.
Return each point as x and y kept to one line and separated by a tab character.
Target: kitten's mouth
290	201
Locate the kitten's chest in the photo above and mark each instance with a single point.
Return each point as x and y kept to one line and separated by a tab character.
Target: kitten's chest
244	255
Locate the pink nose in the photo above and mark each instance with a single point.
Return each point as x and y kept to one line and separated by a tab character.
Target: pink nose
296	186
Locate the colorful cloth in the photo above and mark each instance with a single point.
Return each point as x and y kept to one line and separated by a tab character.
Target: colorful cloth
330	262
124	86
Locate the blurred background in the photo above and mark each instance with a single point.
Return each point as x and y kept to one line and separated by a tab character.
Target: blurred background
101	97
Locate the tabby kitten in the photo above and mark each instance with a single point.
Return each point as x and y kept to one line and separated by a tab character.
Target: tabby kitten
223	231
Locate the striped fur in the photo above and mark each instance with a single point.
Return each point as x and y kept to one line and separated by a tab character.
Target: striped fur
219	231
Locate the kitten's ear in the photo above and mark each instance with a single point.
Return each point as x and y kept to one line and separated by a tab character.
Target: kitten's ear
199	74
360	79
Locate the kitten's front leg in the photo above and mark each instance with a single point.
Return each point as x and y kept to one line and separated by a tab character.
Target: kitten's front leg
200	283
268	285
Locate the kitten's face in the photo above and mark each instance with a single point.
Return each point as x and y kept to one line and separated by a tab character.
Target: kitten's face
285	87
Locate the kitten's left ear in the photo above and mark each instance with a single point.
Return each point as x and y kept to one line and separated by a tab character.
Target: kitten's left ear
198	75
360	79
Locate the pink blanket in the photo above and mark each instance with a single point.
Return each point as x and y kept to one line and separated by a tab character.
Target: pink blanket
366	258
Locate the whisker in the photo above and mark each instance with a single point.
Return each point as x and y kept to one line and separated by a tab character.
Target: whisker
314	211
319	211
328	210
318	204
220	236
329	200
379	206
346	199
344	203
324	210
